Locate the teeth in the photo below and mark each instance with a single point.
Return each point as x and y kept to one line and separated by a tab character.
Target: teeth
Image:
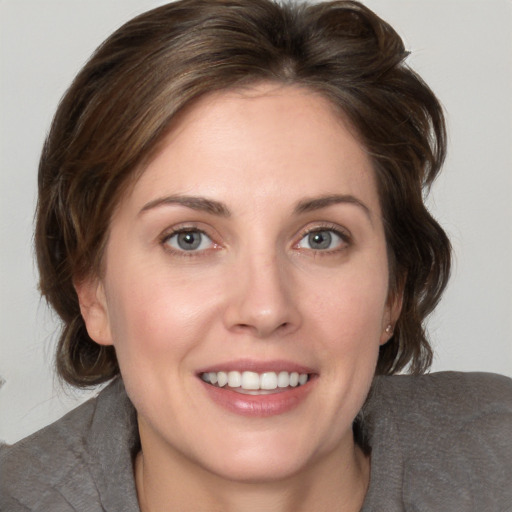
269	380
234	379
283	379
255	381
222	379
250	380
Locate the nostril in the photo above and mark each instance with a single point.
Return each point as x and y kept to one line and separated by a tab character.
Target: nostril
262	330
261	315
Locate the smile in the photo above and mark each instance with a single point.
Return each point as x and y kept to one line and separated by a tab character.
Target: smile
255	383
260	389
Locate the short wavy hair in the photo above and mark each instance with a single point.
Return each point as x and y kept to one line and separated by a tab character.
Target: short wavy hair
122	103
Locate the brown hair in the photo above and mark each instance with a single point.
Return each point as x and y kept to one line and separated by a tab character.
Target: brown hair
121	104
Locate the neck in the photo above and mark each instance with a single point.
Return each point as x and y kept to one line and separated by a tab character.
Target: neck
337	482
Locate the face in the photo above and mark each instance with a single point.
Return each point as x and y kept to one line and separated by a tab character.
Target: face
251	251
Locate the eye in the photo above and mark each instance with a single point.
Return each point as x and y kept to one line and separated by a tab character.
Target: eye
189	240
322	240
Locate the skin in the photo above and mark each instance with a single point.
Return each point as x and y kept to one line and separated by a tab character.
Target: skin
256	288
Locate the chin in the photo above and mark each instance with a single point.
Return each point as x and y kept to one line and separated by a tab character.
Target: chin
264	468
263	459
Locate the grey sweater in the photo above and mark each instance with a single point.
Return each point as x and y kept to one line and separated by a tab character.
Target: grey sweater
440	442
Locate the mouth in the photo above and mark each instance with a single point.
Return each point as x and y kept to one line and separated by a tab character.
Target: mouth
258	389
254	383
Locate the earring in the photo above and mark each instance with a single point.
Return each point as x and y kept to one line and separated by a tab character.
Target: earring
389	329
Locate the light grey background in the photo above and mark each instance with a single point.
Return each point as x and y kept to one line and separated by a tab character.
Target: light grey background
463	49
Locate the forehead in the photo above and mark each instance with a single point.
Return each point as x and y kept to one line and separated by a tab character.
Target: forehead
270	138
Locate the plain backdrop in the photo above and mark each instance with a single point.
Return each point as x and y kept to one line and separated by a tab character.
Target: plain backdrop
462	48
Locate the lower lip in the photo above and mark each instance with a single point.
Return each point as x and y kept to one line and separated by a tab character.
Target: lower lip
259	406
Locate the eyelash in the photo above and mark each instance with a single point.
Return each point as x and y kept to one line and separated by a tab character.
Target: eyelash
164	241
344	236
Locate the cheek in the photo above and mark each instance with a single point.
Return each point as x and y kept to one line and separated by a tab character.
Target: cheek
348	316
353	303
152	313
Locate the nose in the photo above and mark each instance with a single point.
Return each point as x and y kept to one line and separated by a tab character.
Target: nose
262	302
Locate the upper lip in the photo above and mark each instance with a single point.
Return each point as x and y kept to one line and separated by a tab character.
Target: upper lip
258	366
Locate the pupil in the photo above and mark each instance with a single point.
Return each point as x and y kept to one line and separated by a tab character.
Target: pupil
320	240
189	241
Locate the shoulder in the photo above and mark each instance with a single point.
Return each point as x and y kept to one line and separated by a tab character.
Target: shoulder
453	437
448	405
446	382
458	395
54	468
480	404
33	468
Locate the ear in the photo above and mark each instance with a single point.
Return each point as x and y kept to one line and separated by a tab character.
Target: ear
93	306
391	315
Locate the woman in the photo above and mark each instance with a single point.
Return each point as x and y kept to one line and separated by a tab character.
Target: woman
231	226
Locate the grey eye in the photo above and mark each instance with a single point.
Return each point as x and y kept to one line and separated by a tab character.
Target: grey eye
321	240
192	240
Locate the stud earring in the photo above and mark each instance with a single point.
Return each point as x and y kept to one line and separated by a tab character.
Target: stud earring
389	329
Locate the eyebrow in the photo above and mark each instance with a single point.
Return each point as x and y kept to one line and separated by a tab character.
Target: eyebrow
217	208
193	202
317	203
